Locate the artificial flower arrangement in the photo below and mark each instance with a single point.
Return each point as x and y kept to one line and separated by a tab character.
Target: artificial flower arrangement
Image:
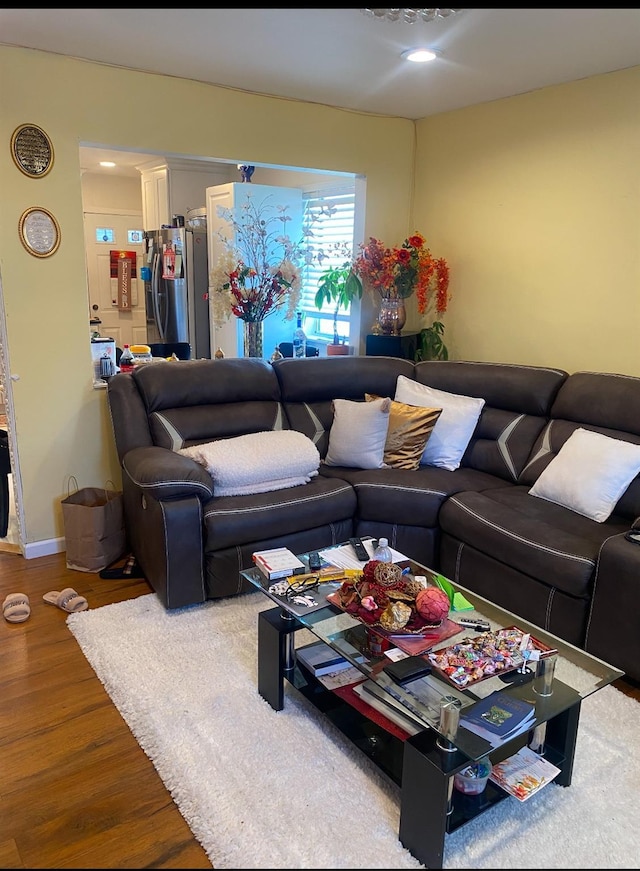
259	272
398	273
383	596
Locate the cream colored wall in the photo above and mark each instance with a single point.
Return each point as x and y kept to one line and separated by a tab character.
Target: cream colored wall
117	192
61	423
535	203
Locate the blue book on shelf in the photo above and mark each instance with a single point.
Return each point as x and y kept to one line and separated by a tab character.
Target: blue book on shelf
499	714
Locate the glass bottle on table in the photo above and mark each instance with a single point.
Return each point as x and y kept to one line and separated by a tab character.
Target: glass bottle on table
299	339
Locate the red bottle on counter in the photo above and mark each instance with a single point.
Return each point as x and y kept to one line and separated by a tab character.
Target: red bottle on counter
126	360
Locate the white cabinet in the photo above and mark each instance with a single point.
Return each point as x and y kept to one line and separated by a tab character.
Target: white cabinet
156	199
234	196
173	186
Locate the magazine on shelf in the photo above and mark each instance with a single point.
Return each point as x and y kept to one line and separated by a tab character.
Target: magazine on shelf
344	557
523	774
320	658
373	695
343	678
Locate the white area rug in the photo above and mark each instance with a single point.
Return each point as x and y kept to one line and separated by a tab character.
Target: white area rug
261	789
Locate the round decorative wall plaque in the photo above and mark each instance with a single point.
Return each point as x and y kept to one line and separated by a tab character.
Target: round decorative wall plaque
39	232
32	150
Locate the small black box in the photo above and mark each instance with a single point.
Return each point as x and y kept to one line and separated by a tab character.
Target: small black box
410	668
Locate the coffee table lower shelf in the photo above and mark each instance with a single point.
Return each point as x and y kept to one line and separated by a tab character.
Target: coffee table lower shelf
422	770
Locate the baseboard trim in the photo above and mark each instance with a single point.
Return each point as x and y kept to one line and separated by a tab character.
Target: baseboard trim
44	548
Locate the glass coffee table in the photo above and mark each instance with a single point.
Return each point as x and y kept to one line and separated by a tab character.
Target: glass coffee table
424	760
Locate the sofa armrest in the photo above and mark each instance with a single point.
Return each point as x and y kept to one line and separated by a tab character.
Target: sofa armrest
614	621
165	474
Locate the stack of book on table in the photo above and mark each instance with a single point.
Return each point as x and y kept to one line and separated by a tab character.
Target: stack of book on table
278	562
499	717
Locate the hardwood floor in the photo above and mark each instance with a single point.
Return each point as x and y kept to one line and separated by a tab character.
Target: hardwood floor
76	790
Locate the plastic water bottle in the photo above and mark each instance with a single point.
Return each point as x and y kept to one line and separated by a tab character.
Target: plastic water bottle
299	339
383	551
126	360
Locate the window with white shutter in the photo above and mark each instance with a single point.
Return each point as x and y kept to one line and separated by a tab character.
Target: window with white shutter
327	231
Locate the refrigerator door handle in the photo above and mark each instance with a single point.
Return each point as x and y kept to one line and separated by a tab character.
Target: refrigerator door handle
155	296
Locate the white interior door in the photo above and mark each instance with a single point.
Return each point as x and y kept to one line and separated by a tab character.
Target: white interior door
104	233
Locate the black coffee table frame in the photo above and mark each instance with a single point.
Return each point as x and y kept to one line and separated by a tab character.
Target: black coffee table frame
429	806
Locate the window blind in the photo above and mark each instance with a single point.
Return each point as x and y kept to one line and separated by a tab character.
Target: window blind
329	216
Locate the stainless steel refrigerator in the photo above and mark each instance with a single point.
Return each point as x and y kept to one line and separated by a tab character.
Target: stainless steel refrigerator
176	288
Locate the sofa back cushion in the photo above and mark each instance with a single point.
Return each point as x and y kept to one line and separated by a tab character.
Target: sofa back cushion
605	403
308	388
517	402
194	401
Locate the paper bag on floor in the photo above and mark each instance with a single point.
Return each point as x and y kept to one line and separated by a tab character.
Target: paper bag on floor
93	528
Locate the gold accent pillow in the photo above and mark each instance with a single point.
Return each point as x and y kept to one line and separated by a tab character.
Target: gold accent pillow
409	429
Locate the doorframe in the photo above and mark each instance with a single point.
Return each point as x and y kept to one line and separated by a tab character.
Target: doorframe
7	383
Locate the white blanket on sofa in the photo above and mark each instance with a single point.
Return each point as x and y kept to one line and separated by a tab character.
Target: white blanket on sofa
257	462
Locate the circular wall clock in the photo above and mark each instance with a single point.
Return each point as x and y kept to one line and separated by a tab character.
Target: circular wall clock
39	232
31	150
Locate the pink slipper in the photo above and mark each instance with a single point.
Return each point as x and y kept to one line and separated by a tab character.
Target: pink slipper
68	600
16	608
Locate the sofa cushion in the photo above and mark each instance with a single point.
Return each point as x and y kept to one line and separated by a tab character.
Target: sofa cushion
545	541
454	428
358	433
589	474
257	462
233	521
517	403
409	429
408	497
308	391
599	402
202	400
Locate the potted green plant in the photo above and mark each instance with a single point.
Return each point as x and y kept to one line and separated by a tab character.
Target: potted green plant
338	285
431	345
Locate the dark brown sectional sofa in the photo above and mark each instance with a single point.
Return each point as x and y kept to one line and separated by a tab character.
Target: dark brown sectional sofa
574	576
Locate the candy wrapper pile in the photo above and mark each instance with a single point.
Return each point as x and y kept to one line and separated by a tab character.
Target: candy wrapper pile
474	659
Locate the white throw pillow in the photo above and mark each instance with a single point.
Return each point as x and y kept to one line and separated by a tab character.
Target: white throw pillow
358	433
257	462
589	474
454	428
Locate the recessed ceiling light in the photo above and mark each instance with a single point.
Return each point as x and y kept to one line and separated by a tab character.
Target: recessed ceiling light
107	163
419	55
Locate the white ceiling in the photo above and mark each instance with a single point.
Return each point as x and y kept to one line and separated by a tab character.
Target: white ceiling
341	57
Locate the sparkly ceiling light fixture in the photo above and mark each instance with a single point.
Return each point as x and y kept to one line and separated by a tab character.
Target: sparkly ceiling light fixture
409	16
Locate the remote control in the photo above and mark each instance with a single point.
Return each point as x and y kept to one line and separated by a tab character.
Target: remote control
315	561
478	625
359	549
